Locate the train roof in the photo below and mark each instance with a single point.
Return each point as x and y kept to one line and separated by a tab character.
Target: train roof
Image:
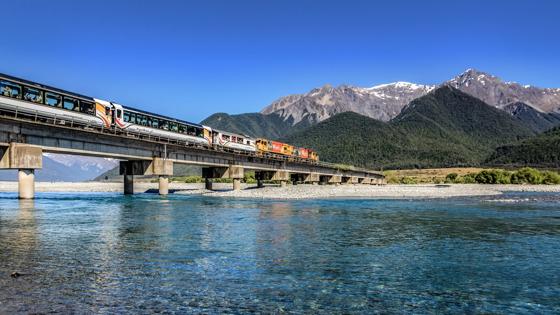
47	87
234	134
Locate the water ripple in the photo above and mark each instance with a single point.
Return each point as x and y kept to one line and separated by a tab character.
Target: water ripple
105	253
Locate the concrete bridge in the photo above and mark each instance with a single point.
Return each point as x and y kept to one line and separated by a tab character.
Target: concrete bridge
23	141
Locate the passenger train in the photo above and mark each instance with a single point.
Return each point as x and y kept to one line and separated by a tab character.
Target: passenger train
43	102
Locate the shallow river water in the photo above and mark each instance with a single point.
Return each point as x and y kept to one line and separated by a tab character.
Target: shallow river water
106	253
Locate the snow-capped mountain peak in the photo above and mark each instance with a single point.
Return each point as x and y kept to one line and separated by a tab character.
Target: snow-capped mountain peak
385	101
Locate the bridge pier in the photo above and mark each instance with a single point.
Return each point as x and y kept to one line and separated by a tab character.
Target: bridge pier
233	172
128	184
312	178
330	179
26	183
163	185
26	159
208	183
160	167
282	176
236	184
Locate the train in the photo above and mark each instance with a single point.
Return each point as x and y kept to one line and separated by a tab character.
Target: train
32	99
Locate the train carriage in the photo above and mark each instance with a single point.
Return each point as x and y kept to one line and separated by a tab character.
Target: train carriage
146	123
40	101
45	103
233	141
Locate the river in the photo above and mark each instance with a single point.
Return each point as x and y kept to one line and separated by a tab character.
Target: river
106	253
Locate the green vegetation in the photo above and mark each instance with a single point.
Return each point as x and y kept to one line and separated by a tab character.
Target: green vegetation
444	128
542	150
498	176
252	124
473	176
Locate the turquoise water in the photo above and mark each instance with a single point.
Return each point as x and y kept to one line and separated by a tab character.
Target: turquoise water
106	253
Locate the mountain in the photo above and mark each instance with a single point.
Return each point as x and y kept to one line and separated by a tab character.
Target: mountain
83	168
296	112
443	128
493	91
541	151
381	102
65	168
532	118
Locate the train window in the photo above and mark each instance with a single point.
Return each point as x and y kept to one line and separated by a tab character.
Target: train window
32	95
240	140
164	124
126	117
86	107
199	132
225	137
173	127
155	123
70	103
191	131
142	120
10	89
52	99
133	118
119	113
182	128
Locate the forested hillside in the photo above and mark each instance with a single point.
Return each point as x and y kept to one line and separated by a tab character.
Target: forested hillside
252	124
542	150
444	128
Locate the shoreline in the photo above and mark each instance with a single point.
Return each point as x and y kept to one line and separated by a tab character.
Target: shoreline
293	192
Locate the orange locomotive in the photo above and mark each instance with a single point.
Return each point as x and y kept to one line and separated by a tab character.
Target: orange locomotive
269	146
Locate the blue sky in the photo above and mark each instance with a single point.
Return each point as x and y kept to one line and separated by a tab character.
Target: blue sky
191	59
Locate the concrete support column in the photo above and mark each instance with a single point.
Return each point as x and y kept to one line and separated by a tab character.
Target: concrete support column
128	184
208	183
163	185
26	183
236	184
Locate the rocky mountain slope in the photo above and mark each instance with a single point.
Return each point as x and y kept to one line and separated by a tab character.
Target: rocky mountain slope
381	102
443	128
532	118
384	102
493	91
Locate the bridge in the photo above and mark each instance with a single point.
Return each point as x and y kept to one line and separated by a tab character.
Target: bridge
23	140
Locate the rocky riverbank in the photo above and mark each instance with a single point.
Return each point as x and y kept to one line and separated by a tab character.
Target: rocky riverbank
297	191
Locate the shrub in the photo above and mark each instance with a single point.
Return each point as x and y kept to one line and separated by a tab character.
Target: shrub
249	178
527	175
550	178
192	179
493	177
408	180
451	178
